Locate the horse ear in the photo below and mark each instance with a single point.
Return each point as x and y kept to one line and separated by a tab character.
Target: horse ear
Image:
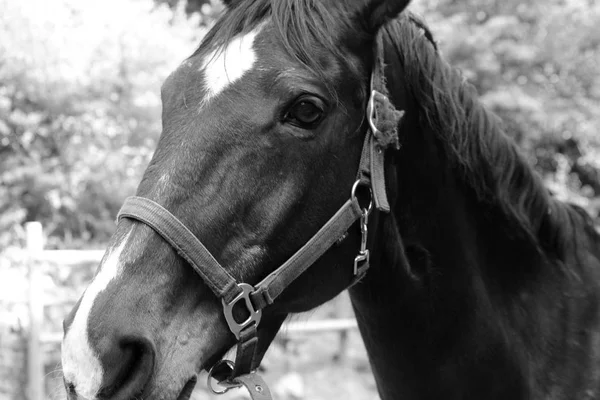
378	12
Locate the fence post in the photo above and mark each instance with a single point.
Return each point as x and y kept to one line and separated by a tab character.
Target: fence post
35	357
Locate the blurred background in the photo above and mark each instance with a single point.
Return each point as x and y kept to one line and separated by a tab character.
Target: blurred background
80	116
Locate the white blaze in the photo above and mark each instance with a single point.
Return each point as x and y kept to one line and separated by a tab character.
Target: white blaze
80	363
224	66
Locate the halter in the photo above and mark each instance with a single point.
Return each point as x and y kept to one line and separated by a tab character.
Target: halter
382	133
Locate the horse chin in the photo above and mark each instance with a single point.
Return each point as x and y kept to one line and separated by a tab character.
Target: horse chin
187	390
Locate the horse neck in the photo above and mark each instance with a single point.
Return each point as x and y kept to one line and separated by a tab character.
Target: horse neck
454	307
428	309
427	290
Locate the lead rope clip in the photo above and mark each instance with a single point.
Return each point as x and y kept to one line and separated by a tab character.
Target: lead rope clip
361	261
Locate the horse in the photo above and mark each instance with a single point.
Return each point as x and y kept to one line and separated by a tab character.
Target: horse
310	147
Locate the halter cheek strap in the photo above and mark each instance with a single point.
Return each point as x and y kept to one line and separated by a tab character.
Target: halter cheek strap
383	119
382	133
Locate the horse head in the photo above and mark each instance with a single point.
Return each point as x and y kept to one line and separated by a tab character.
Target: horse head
263	131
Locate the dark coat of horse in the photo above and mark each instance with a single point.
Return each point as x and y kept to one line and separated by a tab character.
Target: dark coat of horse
481	286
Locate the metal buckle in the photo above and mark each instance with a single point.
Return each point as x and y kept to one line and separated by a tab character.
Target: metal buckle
371	110
255	315
226	384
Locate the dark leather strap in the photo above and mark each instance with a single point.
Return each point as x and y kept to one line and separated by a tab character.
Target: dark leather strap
275	283
246	361
184	241
256	386
216	277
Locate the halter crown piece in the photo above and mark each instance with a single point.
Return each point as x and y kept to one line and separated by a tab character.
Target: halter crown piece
383	121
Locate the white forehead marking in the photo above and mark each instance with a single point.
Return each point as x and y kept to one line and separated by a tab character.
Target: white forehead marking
79	361
223	67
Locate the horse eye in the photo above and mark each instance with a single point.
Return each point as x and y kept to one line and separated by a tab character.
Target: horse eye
305	113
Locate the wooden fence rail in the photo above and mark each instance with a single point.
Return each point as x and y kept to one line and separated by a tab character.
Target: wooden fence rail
38	339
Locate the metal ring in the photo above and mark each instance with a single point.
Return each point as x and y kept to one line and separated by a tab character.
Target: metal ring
227	385
353	195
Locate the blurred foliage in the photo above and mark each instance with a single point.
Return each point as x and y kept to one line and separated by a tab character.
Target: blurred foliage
80	96
80	109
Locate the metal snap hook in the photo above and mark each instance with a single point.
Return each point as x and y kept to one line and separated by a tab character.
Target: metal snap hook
361	261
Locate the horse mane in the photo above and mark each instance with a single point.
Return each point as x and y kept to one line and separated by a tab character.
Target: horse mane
488	161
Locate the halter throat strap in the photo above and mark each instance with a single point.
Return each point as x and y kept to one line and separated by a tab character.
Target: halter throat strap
383	120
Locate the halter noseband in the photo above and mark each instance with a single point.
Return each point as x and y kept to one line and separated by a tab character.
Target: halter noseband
383	119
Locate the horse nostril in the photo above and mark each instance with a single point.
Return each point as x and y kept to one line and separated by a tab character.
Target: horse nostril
128	369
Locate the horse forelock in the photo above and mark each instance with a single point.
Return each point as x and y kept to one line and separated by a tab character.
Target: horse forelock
309	31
